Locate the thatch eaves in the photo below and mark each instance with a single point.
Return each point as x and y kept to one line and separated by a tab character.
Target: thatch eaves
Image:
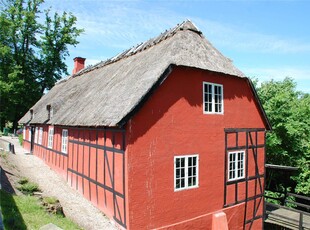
104	94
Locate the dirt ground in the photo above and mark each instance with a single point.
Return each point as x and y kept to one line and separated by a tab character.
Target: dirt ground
75	206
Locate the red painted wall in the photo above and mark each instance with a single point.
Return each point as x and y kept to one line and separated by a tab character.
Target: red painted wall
93	165
26	143
171	123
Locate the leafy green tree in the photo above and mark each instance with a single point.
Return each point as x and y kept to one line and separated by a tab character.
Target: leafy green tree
289	113
32	54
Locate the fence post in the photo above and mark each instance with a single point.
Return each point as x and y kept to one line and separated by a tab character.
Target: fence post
300	221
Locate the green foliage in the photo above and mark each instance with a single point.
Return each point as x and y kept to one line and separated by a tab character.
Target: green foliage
26	187
289	113
50	200
23	180
32	54
273	197
20	139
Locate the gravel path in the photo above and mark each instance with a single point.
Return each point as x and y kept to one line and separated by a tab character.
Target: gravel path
75	206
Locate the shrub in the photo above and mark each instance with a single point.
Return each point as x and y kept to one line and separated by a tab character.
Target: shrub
50	200
20	138
28	188
23	180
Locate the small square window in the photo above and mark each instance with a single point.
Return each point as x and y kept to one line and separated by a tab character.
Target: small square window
36	134
64	140
212	98
40	136
50	137
236	162
185	172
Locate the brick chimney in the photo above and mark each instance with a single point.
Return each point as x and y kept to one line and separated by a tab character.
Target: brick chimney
78	64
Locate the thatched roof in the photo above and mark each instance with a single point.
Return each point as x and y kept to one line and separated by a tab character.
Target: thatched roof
104	94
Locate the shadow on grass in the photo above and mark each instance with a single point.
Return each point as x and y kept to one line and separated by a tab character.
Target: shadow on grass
12	218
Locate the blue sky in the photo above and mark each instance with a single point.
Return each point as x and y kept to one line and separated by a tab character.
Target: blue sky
265	39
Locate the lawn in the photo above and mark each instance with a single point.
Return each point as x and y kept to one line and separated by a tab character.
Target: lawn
25	212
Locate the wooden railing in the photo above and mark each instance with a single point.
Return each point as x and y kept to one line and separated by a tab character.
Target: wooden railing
290	214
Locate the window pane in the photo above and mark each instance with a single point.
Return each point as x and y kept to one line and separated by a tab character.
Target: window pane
182	172
178	183
194	181
189	181
182	162
190	170
182	183
190	161
177	174
210	108
177	162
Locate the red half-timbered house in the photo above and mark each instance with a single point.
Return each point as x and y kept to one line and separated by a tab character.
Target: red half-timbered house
168	134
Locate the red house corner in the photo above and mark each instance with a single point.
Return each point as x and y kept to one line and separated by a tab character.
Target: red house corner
166	135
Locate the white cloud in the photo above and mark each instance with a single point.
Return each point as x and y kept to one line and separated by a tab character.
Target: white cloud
278	73
301	76
121	24
113	26
238	39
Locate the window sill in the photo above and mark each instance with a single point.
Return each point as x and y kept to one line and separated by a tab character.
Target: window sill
189	188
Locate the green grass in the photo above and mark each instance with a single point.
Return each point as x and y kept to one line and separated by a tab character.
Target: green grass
50	200
25	212
28	188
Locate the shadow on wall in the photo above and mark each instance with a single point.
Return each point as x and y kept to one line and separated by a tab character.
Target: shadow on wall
12	218
184	83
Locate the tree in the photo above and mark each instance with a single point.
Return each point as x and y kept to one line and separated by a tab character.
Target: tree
289	113
32	54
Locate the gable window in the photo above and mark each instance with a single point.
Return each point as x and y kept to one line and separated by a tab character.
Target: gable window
212	98
236	165
64	140
40	136
36	133
50	137
185	172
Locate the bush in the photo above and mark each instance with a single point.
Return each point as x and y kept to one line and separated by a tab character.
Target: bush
20	138
50	200
23	180
28	188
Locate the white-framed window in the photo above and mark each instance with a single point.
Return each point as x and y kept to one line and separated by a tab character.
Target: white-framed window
236	163
64	140
36	134
40	136
29	133
50	137
213	98
24	133
186	172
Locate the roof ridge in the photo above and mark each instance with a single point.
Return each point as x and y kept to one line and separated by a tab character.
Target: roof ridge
185	25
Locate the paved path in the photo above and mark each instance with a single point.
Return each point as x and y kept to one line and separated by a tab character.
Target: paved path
75	206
